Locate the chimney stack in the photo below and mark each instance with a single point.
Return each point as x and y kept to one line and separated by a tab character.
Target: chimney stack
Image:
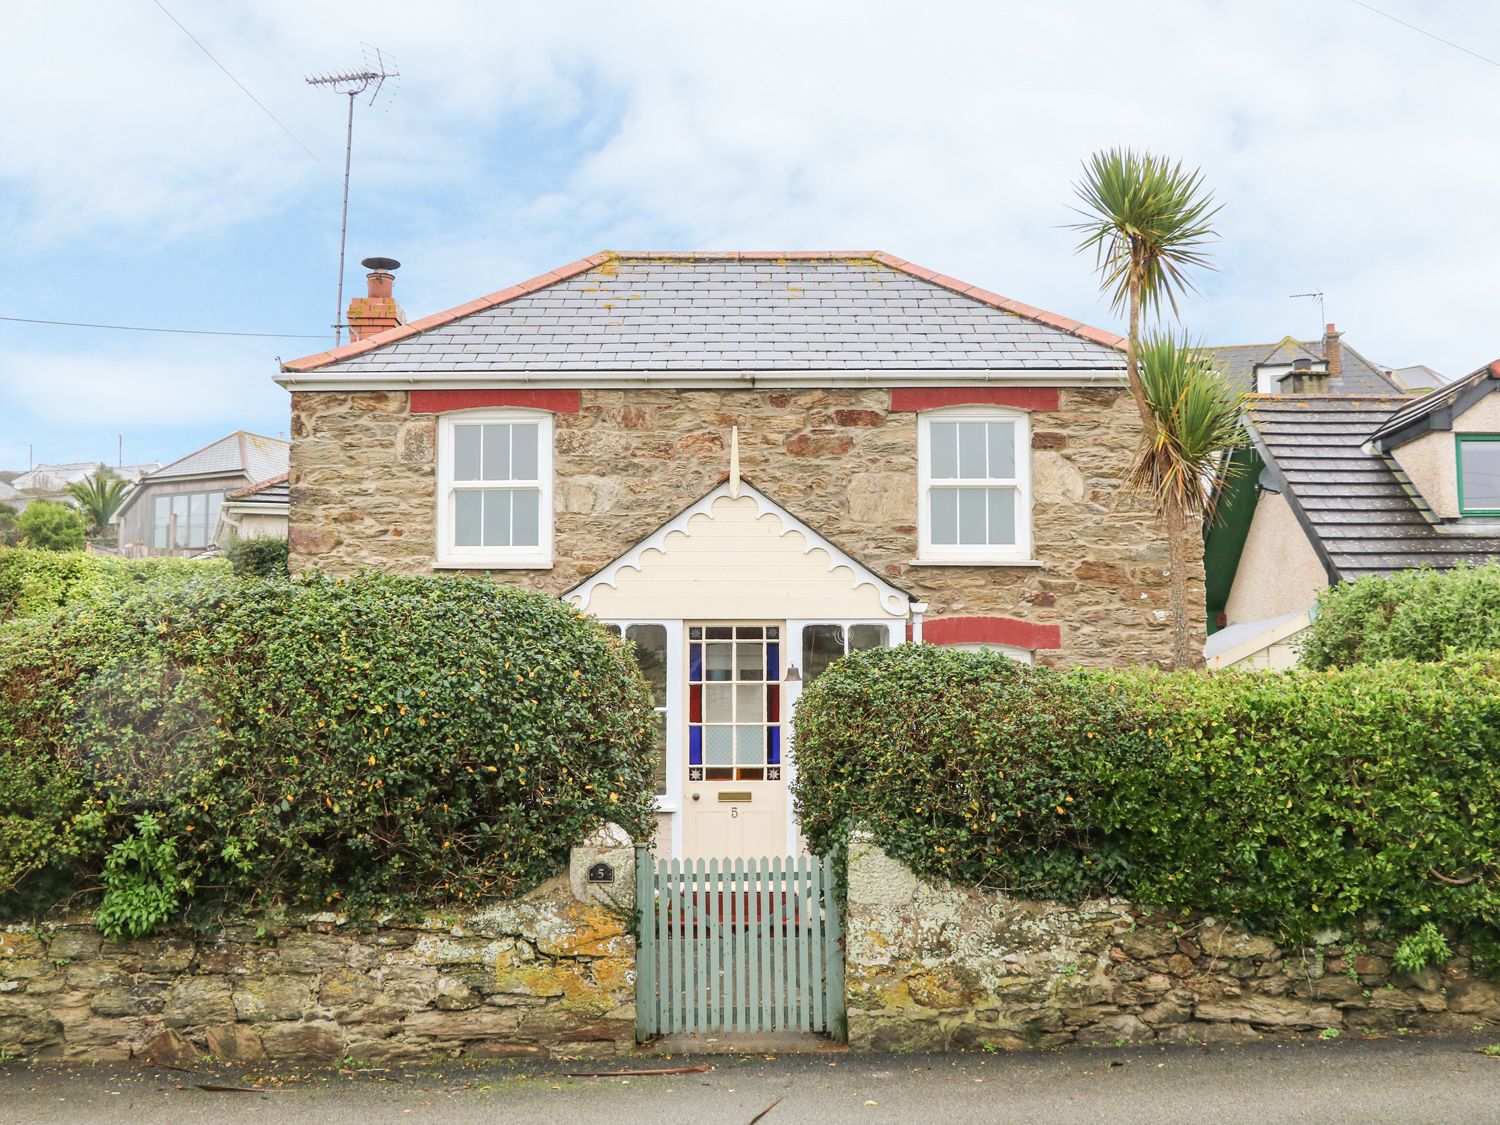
1333	352
378	310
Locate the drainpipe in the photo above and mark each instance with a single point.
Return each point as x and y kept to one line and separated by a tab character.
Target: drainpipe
917	610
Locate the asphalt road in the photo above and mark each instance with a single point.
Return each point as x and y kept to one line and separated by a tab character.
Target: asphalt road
1407	1081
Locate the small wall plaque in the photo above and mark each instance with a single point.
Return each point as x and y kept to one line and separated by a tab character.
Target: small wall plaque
601	873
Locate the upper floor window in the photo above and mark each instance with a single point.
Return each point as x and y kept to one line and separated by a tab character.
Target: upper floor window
495	489
184	519
974	486
1479	474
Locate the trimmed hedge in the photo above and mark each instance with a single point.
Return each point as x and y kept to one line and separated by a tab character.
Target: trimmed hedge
259	558
35	581
1295	801
1420	614
367	743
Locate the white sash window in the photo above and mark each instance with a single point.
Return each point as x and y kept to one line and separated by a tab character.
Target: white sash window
974	476
495	489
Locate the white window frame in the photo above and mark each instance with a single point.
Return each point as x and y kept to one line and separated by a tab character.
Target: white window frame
675	706
971	554
493	558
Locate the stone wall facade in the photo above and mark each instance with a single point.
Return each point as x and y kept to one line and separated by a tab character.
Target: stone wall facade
550	973
363	484
934	966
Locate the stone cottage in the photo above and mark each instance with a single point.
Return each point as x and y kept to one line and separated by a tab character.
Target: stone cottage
748	464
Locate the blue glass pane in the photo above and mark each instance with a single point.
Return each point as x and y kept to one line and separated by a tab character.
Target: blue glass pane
695	663
773	662
695	746
773	746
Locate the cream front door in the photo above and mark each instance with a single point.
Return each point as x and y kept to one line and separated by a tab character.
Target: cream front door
735	795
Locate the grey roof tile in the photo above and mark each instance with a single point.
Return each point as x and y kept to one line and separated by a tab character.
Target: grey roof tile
707	313
1359	514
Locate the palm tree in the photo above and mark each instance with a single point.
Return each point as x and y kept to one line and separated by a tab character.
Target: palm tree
1147	220
1184	464
99	497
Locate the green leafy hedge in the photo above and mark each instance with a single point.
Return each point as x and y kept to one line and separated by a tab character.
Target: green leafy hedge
259	558
371	742
1295	801
35	581
1413	614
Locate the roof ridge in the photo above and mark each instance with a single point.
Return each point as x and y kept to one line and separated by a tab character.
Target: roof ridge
252	489
583	265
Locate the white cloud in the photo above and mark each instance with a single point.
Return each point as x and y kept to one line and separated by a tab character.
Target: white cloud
1352	155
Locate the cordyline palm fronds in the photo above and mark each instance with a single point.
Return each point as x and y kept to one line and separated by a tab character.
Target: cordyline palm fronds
1147	219
1184	463
99	497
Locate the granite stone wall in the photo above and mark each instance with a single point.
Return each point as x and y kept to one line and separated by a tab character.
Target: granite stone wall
363	494
552	973
934	966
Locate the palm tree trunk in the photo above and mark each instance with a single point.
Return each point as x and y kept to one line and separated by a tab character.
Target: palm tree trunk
1132	360
1183	655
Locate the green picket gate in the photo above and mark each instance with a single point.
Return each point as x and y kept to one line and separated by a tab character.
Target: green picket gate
728	946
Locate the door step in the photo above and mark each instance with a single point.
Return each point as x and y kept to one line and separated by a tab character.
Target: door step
760	1043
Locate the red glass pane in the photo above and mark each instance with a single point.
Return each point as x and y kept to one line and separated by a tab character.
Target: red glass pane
695	703
773	703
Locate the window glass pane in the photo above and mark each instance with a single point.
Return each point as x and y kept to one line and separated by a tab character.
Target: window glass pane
497	452
161	518
612	630
750	745
214	500
180	515
749	703
1481	480
525	526
867	636
720	657
718	701
718	746
971	516
971	450
749	632
197	519
523	439
821	646
466	452
1002	503
943	440
468	510
751	660
651	654
1002	450
496	517
945	515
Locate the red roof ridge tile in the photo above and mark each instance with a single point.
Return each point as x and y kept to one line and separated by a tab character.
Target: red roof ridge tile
252	489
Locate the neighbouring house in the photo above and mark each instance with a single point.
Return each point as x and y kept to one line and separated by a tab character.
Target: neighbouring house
50	482
1325	366
175	510
747	464
1337	487
8	494
257	512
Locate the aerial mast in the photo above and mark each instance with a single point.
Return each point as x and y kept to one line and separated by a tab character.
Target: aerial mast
372	78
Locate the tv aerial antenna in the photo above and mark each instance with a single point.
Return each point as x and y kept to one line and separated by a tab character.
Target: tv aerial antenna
1322	319
379	68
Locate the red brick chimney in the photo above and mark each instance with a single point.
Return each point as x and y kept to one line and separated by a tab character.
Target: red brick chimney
378	310
1332	351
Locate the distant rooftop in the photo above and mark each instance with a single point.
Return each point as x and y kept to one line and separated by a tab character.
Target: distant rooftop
255	456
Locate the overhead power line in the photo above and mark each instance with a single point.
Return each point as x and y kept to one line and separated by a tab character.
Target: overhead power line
1424	31
246	90
175	331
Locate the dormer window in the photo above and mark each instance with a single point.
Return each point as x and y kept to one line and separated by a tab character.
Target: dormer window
1478	474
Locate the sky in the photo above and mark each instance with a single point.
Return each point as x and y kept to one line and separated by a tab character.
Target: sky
140	185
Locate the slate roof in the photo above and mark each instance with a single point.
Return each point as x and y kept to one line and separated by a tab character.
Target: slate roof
1419	377
1360	376
1434	401
276	490
1356	512
706	312
255	456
